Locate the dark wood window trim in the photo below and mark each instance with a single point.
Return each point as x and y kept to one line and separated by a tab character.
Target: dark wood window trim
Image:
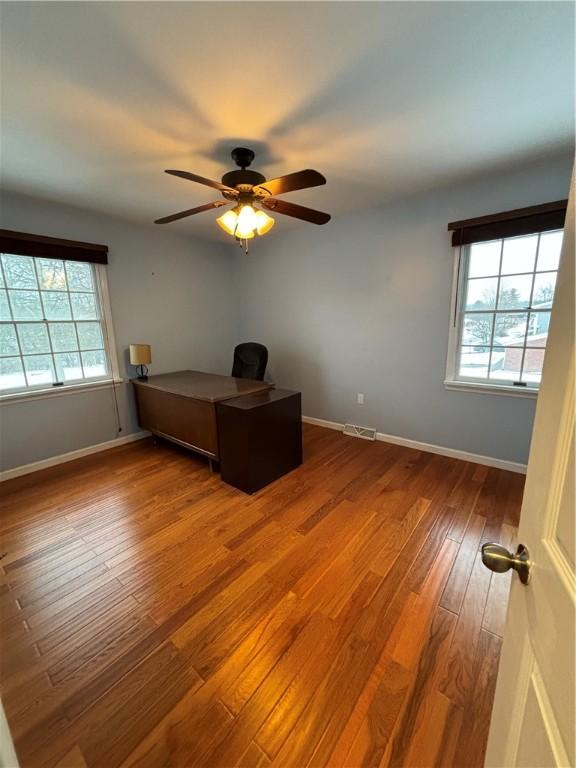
24	244
522	221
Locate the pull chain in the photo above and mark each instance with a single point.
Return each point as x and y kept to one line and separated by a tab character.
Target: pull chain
243	243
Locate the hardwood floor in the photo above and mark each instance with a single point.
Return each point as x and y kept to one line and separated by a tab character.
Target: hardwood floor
153	616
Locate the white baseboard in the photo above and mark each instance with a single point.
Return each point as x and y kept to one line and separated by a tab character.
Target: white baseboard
454	453
323	423
26	469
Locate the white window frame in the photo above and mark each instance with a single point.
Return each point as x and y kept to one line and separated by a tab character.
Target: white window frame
110	380
452	381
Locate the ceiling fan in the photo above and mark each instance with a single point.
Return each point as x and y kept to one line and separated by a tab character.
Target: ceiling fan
250	193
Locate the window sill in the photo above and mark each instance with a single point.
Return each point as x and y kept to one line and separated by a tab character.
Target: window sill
41	394
491	389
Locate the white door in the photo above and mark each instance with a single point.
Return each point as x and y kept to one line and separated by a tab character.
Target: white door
533	717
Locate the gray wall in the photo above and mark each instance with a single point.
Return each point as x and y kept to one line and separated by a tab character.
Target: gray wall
173	293
363	304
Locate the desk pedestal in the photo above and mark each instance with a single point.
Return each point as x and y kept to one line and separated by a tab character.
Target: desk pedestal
260	438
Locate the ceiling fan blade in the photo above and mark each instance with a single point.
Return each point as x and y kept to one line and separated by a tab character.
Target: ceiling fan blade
292	181
296	211
191	212
201	180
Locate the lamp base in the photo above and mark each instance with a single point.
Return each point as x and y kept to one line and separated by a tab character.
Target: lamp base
142	371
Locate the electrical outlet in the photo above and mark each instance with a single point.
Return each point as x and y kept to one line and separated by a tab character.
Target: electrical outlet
360	398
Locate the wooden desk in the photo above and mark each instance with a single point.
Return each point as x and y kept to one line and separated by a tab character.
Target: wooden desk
181	406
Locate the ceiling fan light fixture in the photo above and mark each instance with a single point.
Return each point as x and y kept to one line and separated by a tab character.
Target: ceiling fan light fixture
244	222
228	222
264	222
247	222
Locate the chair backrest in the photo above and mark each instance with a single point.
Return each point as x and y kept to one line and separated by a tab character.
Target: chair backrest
250	361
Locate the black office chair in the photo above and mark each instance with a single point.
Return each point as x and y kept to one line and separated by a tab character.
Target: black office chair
250	361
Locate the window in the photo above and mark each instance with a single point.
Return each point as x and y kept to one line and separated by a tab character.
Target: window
503	300
52	324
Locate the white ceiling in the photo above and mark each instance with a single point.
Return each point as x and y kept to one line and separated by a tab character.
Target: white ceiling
386	99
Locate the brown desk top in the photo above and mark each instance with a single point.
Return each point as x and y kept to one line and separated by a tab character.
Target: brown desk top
203	386
256	400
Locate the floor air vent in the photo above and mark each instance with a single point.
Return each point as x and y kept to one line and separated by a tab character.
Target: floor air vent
366	433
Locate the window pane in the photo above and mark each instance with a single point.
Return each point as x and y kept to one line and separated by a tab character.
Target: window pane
51	274
519	254
549	250
26	305
510	328
51	330
481	293
56	305
4	307
94	363
11	373
19	271
90	335
515	292
33	338
533	362
79	276
508	296
505	363
68	367
474	362
84	306
538	329
544	287
477	328
39	369
8	341
63	337
485	259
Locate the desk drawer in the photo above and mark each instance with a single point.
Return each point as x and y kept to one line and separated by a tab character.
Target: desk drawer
185	419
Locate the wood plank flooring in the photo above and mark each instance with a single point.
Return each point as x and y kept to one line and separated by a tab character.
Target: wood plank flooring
153	616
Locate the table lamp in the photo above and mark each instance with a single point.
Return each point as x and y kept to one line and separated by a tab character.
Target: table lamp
141	356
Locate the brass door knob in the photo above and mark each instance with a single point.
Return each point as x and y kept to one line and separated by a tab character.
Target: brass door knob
498	559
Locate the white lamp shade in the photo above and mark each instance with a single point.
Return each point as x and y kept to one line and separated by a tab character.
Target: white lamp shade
140	354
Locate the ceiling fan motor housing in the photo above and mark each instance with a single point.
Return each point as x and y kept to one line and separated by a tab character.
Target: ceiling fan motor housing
234	178
243	157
